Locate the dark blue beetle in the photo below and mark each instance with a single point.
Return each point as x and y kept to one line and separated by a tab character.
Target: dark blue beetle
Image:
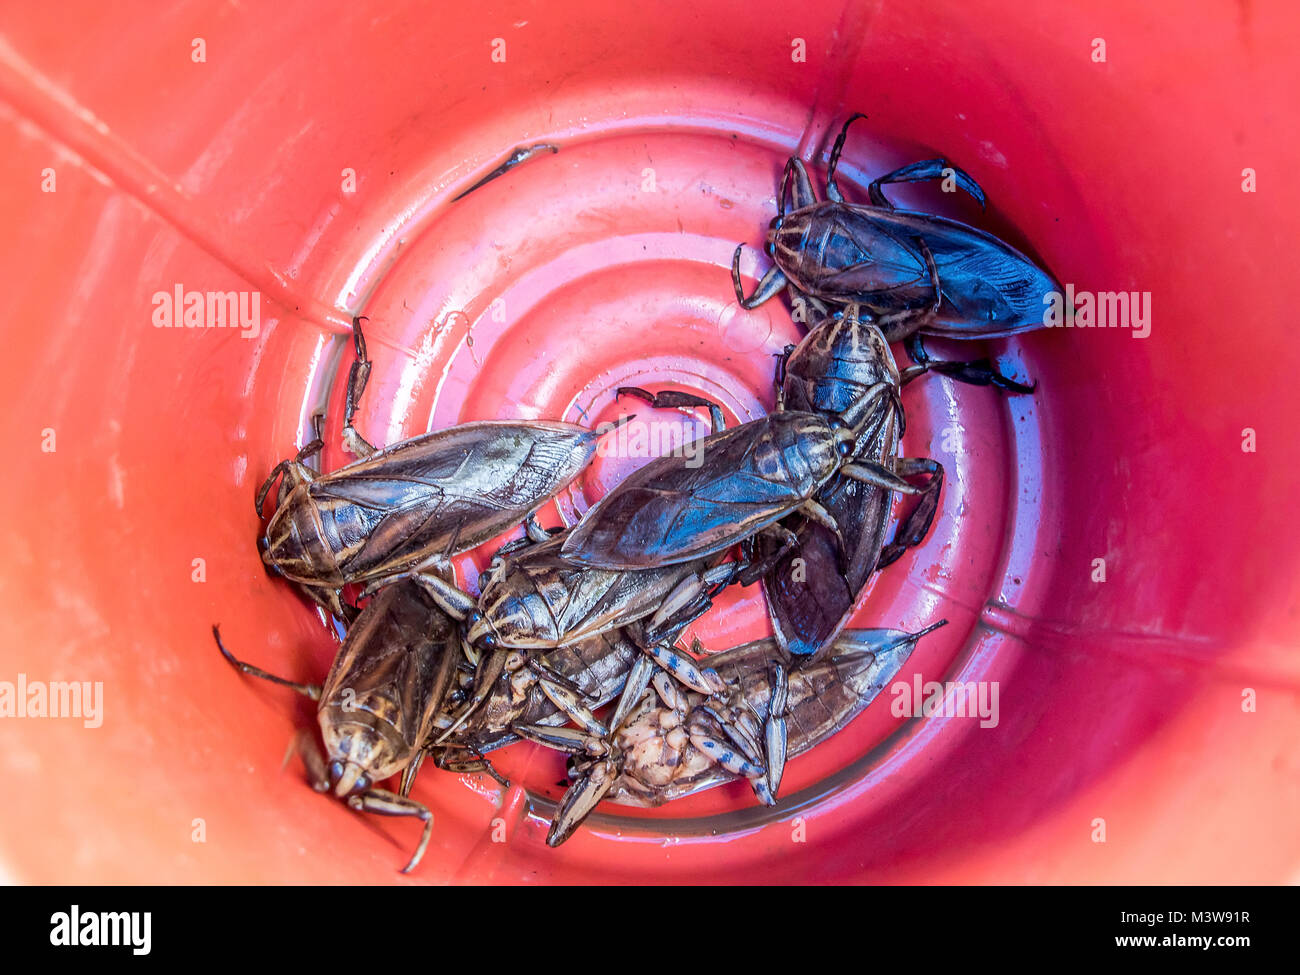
893	264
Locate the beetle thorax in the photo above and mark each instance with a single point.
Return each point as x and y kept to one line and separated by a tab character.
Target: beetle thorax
800	449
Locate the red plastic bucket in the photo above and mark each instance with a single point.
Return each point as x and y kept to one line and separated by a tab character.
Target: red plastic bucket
1148	702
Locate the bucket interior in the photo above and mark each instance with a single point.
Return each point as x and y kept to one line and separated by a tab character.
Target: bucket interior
1147	702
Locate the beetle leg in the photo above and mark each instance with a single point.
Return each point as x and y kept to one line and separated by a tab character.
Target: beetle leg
905	376
409	773
685	669
782	358
471	653
916	349
265	489
770	285
919	172
312	691
452	600
295	471
911	531
638	679
676	399
685	594
330	600
723	754
480	762
981	372
490	668
581	799
757	569
304	743
869	472
543	670
819	514
933	268
534	534
832	187
572	740
688	601
864	408
571	704
669	691
358	376
381	802
740	733
774	731
795	176
976	372
534	531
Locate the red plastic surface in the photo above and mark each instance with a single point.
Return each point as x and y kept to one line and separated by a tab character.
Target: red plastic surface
1120	701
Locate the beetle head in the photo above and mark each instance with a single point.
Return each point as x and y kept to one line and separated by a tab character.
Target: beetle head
363	748
347	778
786	236
268	560
479	631
772	228
845	437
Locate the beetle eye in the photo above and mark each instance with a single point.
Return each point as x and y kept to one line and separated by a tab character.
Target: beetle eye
363	783
336	771
473	617
487	641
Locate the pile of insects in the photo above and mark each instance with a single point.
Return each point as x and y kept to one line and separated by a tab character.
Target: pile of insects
572	641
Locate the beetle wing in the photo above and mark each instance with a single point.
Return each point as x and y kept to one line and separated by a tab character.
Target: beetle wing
499	459
670	511
860	254
472	482
417	530
872	254
990	289
809	607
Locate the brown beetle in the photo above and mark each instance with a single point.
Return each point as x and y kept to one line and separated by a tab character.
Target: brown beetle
915	273
739	482
404	507
813	585
675	742
597	670
378	703
535	600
